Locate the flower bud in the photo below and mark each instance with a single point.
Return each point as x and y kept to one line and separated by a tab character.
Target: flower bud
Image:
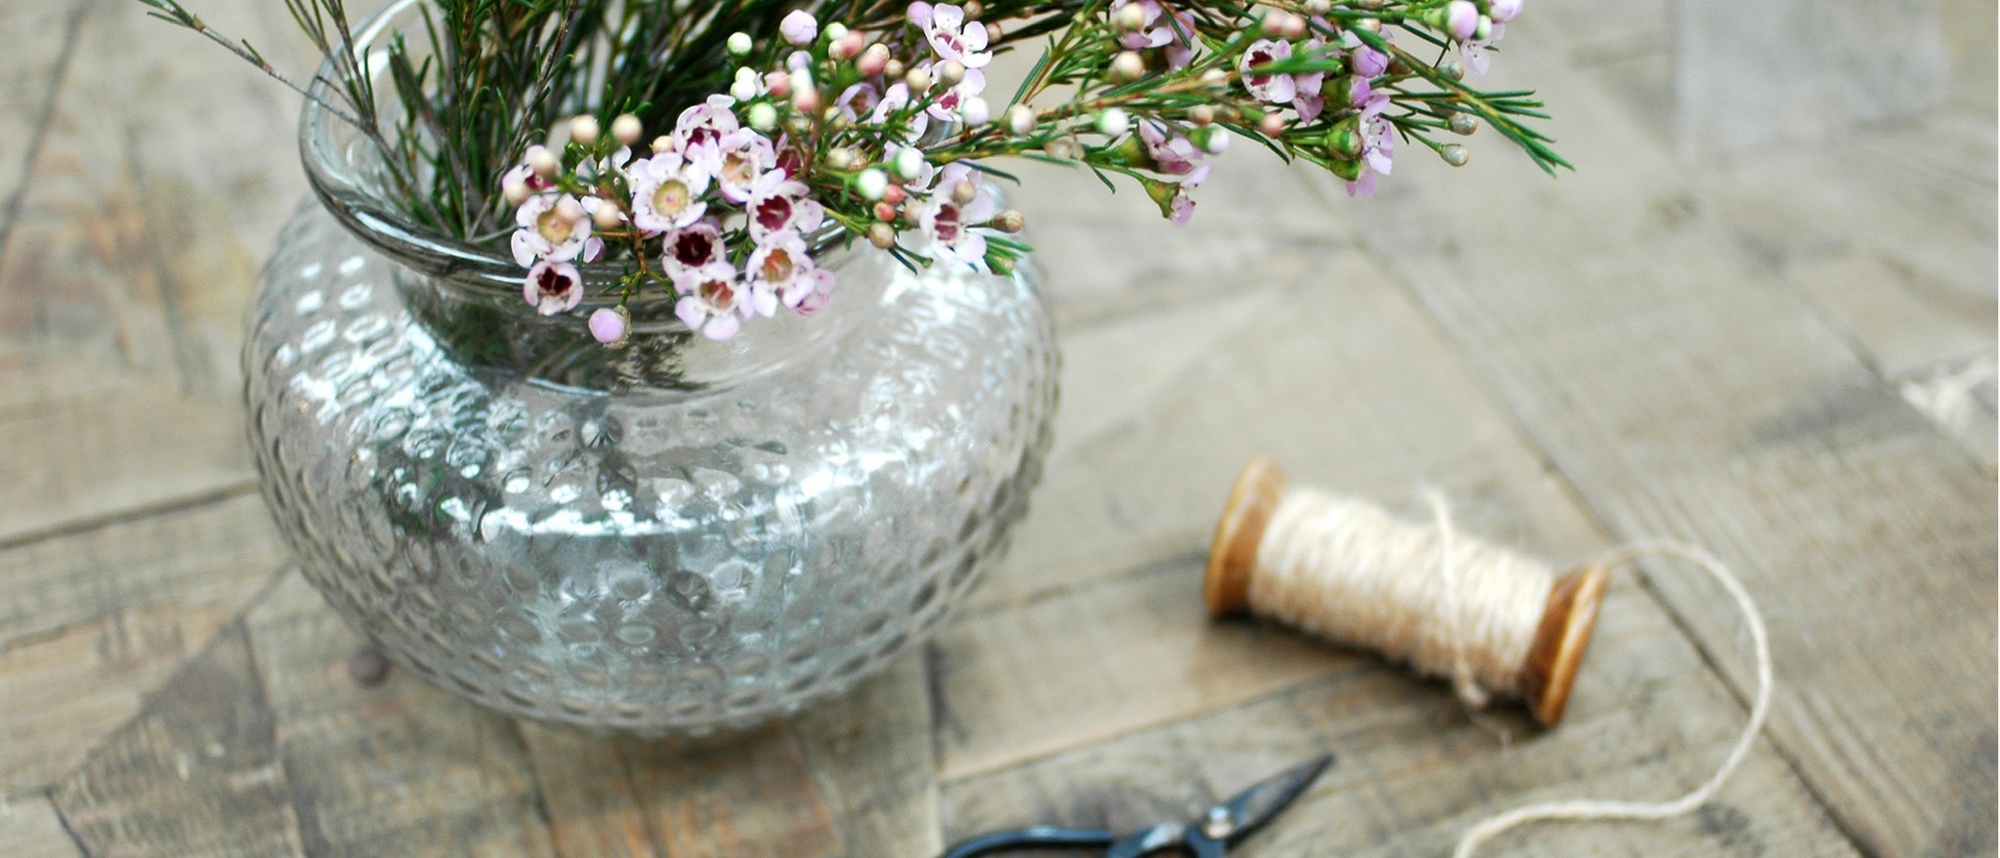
1454	154
840	158
1202	114
1011	221
607	216
918	80
1483	31
950	72
835	31
993	32
895	195
1293	27
885	212
799	27
882	235
1021	120
1128	65
611	326
625	129
1273	22
1215	78
515	190
763	116
908	163
1064	148
739	44
1372	25
1129	18
975	112
871	184
778	84
1463	124
664	143
805	99
873	60
1318	7
893	69
1460	19
1349	170
964	192
1113	122
584	130
1451	69
847	46
542	161
1343	142
568	210
974	9
1211	139
743	90
1272	124
1502	11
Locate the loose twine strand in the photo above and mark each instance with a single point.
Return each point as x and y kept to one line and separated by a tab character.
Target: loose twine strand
1458	608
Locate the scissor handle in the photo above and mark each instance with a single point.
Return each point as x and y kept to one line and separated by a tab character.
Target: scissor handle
1037	837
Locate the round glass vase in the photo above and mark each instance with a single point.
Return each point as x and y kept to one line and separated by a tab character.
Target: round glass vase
672	537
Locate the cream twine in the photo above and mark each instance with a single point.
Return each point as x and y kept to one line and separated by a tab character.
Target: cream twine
1454	607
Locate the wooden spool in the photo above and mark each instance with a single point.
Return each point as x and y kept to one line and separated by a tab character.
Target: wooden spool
1560	639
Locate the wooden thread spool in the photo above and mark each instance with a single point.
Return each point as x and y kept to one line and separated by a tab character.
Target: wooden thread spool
1560	639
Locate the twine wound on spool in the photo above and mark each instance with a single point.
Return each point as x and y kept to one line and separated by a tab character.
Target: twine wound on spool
1487	618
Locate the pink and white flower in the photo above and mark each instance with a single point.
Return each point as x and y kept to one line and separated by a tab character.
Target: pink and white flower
742	155
1474	54
951	36
858	99
667	192
782	270
946	104
895	98
690	247
1378	146
553	287
949	223
1270	88
1173	153
553	228
1308	100
778	204
1169	29
710	300
823	283
700	127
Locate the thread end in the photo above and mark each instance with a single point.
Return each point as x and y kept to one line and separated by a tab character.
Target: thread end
1561	641
1232	557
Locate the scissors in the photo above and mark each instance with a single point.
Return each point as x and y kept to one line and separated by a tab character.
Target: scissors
1206	837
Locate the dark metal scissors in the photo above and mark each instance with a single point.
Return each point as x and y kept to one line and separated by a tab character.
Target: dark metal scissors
1206	837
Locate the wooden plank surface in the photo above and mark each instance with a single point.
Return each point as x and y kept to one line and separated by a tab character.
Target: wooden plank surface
1787	356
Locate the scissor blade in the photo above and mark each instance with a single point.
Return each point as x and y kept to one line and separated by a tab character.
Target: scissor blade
1255	806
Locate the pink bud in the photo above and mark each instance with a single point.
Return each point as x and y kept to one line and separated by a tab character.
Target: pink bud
847	46
1293	27
799	28
806	100
894	195
1461	19
569	210
873	60
779	84
610	325
1272	125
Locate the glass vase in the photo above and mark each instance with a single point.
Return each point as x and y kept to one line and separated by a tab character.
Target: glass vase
673	537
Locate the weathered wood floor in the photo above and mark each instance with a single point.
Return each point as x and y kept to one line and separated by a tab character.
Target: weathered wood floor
1787	356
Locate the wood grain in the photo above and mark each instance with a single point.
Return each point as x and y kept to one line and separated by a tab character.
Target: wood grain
871	755
1719	407
197	774
33	829
1412	770
92	622
401	768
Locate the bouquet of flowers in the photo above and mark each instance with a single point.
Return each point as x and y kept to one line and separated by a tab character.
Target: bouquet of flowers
717	149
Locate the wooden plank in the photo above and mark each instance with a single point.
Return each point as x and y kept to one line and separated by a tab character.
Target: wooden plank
872	756
399	768
124	279
1686	394
33	829
747	795
196	774
1329	370
30	72
1412	769
91	622
1093	627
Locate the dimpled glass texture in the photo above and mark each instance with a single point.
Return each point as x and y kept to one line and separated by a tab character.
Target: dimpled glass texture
670	538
